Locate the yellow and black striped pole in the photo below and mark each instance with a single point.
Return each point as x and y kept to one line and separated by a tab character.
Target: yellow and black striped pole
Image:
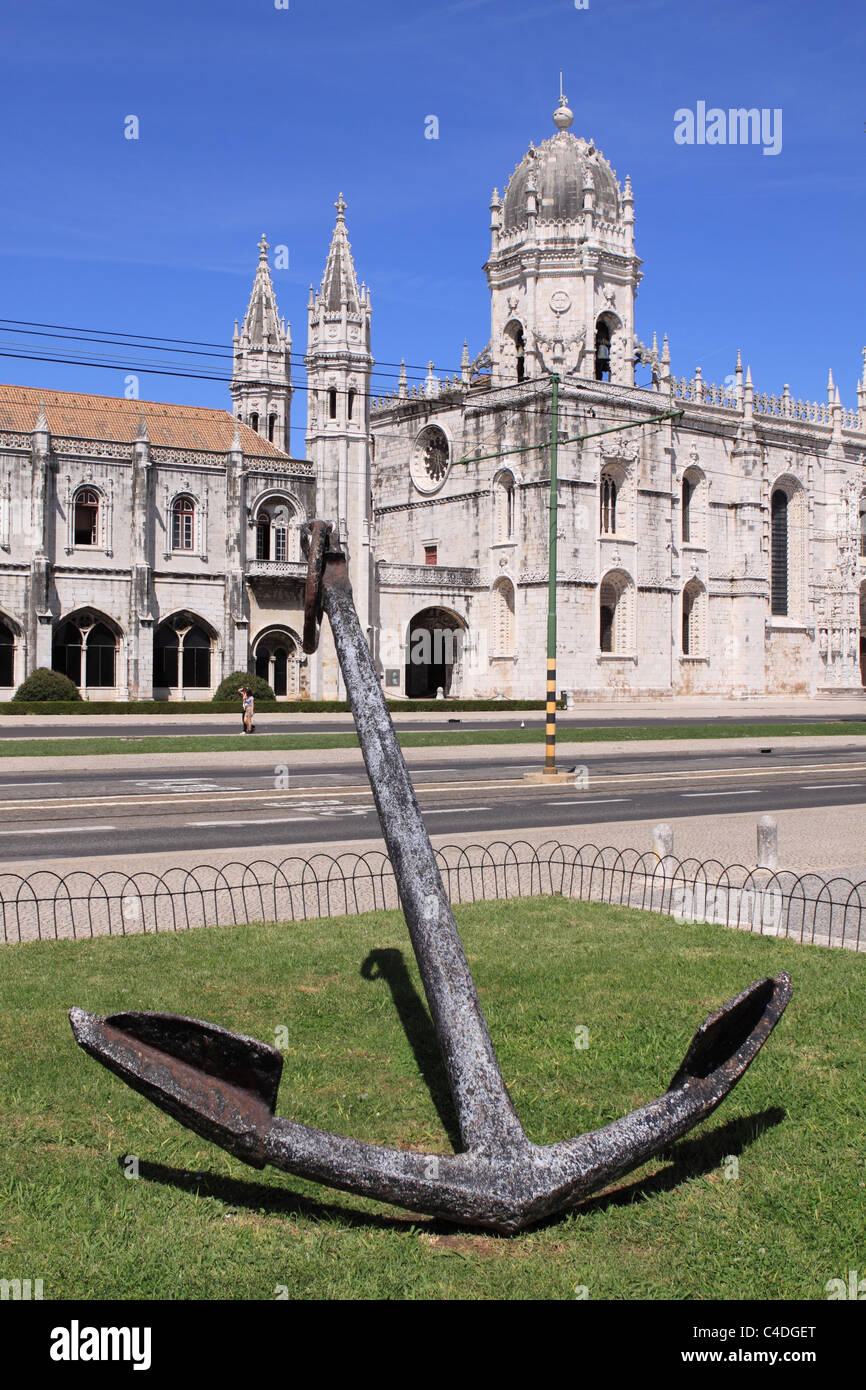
550	726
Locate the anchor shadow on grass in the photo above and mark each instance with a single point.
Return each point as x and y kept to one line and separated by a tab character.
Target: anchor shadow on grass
688	1158
390	966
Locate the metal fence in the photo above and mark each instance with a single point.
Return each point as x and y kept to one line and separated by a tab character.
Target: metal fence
805	907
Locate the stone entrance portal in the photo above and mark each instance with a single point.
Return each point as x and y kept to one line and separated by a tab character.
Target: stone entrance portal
434	654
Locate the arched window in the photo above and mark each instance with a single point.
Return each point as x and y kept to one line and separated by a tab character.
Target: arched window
616	614
502	616
182	654
332	404
688	489
779	553
693	619
515	345
66	652
503	507
254	421
7	656
166	645
607	499
272	427
274	536
602	351
182	523
86	517
196	659
101	650
351	404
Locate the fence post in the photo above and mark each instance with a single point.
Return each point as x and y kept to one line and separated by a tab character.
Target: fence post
768	843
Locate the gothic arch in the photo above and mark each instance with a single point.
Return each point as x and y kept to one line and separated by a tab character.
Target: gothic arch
788	537
10	651
436	639
693	506
277	516
504	495
608	327
277	658
694	619
184	650
616	614
87	646
513	352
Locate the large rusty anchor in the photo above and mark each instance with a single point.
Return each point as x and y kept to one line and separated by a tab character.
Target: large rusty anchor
224	1086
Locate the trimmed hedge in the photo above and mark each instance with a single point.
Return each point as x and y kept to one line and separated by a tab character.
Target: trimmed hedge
228	689
132	707
46	685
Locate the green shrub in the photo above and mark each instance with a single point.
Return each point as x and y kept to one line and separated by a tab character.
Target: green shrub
230	686
47	685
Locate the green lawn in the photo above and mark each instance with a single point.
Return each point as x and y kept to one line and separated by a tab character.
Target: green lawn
86	746
199	1224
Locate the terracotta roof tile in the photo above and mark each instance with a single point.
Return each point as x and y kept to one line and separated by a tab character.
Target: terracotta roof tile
117	419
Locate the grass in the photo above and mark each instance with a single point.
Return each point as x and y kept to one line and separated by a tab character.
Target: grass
84	746
199	1224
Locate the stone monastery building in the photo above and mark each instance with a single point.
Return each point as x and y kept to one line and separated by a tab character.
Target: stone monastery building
147	550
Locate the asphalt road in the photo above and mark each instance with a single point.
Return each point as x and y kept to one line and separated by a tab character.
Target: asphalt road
37	726
89	813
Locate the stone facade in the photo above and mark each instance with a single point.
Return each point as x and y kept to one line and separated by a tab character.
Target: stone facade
719	552
710	538
131	564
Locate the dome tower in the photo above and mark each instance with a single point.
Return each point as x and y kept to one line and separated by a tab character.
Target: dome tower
562	270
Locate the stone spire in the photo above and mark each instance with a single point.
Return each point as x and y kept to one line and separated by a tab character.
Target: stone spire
261	385
339	282
262	326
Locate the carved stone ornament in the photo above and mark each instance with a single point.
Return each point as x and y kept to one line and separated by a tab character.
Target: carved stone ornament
430	459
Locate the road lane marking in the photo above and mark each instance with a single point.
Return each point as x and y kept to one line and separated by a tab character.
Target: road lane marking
280	820
59	830
588	801
452	810
741	791
829	786
22	786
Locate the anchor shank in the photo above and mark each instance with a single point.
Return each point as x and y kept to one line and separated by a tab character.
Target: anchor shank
486	1115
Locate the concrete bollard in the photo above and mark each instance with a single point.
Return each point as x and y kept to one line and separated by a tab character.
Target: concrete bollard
663	840
768	843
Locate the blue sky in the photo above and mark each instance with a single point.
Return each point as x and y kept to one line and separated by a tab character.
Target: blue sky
253	118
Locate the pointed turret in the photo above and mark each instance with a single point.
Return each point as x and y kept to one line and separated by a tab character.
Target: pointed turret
261	386
339	365
339	283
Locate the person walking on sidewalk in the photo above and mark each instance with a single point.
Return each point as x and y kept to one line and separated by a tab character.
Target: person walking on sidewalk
248	707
